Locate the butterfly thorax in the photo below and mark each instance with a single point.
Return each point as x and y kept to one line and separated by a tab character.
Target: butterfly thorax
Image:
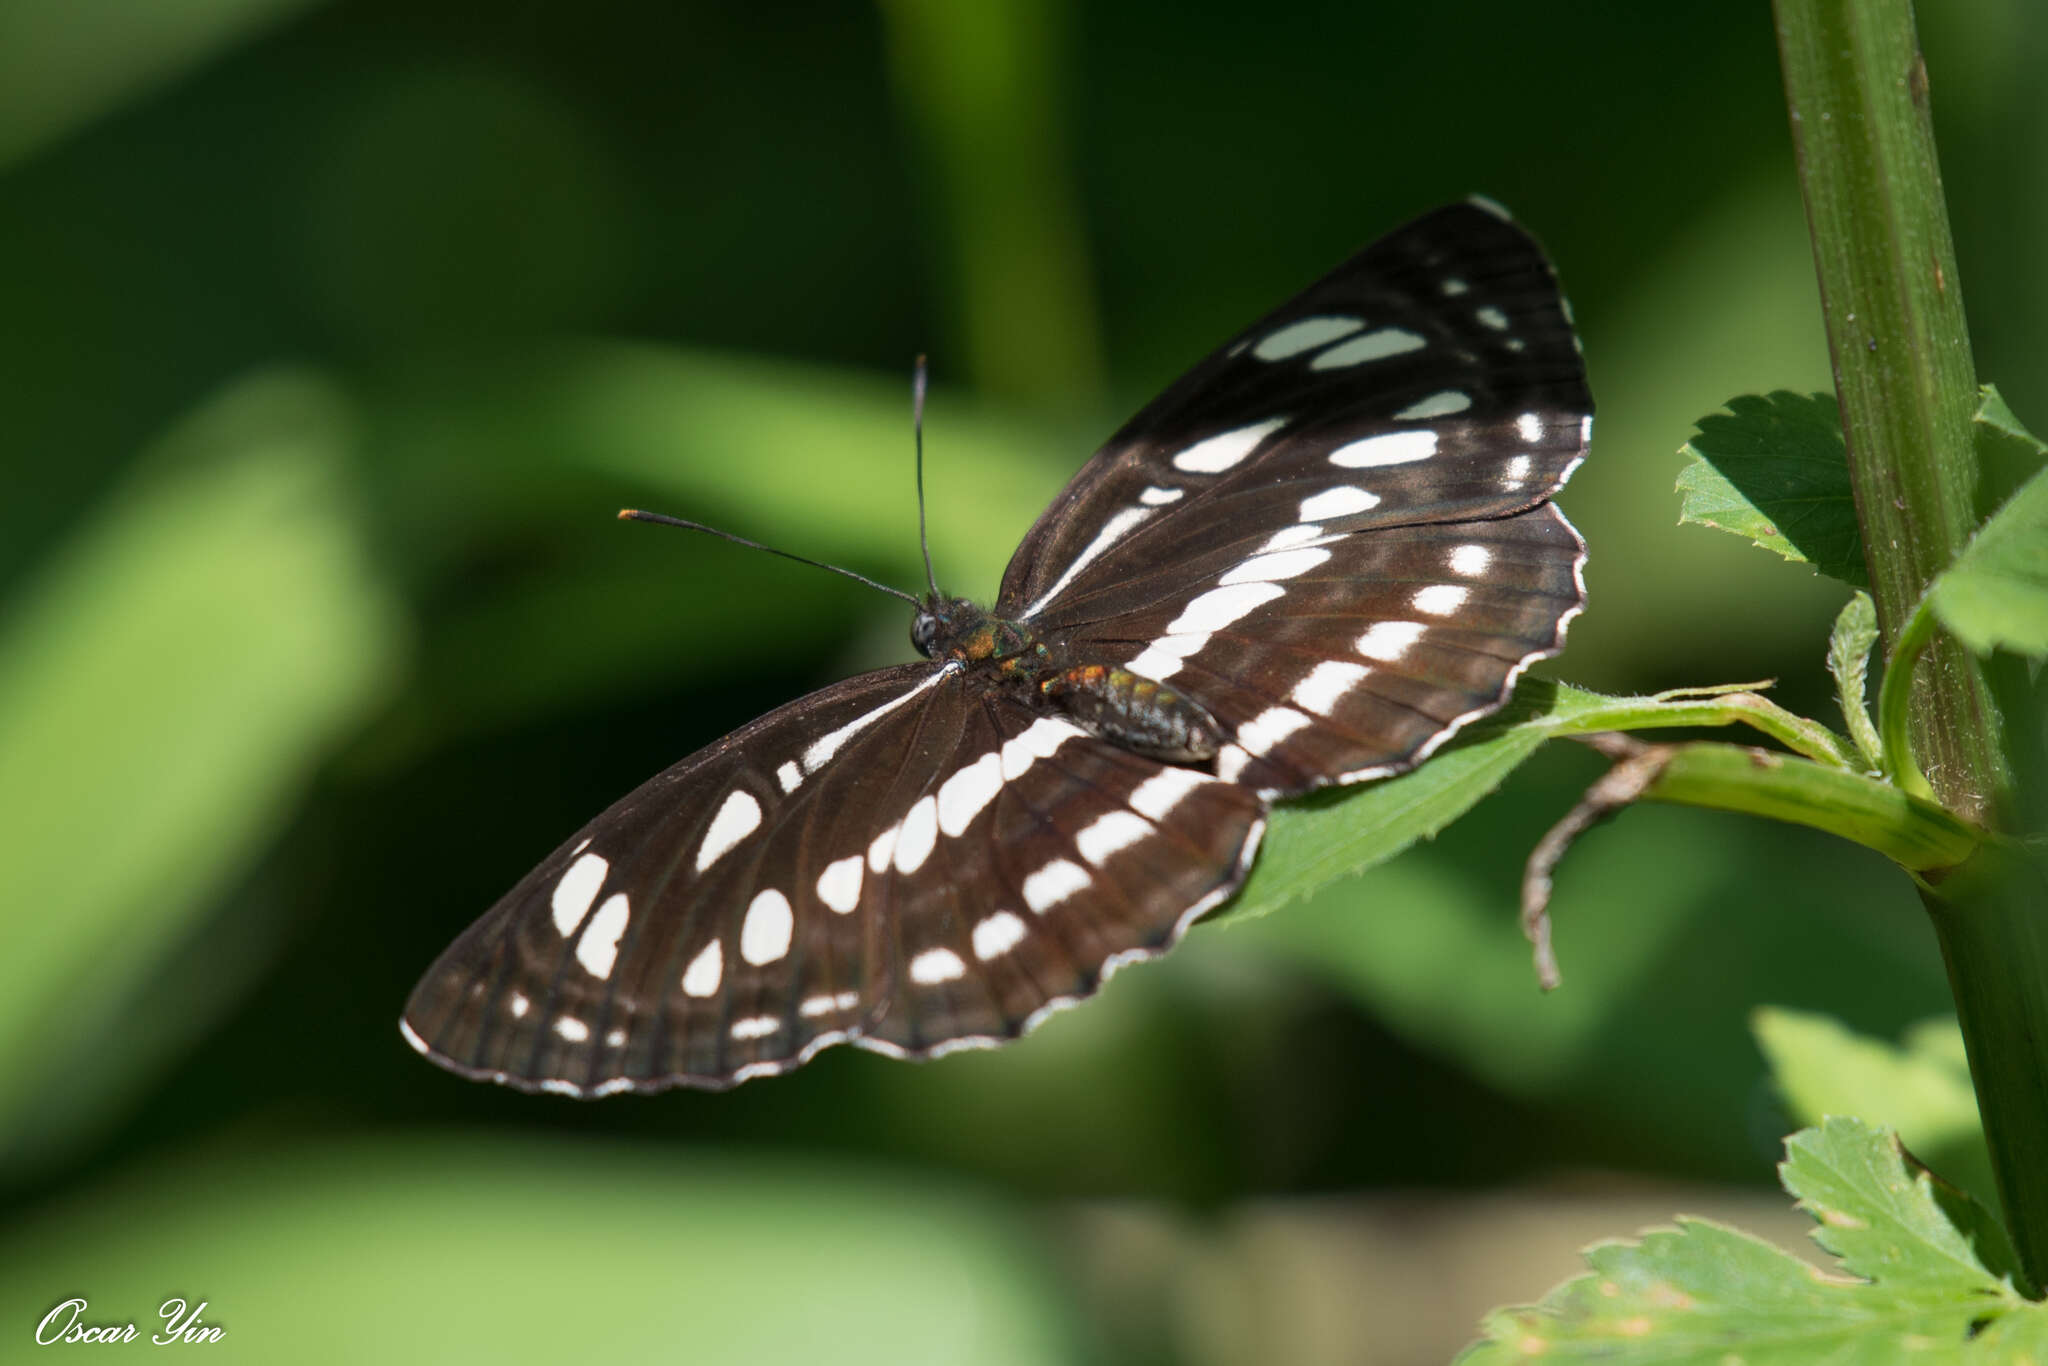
1116	704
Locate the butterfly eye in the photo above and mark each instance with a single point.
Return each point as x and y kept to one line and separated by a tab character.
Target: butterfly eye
924	632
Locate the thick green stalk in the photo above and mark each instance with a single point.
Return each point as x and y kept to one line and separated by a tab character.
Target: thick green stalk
1857	89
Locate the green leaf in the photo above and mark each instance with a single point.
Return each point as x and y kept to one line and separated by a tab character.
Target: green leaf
2011	454
1996	593
1337	834
1703	1293
220	615
1774	469
1922	1090
1849	647
511	1252
1877	1211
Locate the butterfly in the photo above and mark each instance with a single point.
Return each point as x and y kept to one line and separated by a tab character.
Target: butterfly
1310	561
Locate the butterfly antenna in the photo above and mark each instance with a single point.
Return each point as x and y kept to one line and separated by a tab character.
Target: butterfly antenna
917	390
636	515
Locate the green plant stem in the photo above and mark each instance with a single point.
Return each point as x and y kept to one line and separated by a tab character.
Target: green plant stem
1719	707
1894	703
1913	833
1857	91
1988	915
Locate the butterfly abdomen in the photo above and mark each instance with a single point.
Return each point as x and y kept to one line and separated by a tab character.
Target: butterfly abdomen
1135	712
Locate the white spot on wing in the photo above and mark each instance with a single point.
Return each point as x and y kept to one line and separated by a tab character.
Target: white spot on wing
1288	537
598	947
576	890
1388	641
1052	884
1231	761
962	796
1492	317
1269	728
1226	449
1376	345
1284	564
520	1005
1441	599
1470	559
882	848
1158	497
1324	686
1453	286
814	1006
1113	530
1518	472
1440	404
934	966
765	935
789	775
1110	832
1341	501
737	818
1530	425
1161	659
571	1028
825	746
1163	791
920	834
755	1027
1039	740
1305	335
997	935
706	970
1217	608
839	884
1395	448
615	1038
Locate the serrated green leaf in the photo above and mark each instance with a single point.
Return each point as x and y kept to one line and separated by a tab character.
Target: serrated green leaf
1774	469
1922	1091
1996	593
1703	1293
1878	1212
1849	647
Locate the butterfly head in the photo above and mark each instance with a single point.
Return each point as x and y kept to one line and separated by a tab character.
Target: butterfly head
942	622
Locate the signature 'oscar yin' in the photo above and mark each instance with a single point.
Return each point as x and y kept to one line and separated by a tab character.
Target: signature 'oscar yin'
1310	561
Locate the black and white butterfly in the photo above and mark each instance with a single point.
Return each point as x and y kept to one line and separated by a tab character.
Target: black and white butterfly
1310	561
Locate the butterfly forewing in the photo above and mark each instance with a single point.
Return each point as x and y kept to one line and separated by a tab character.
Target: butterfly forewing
1432	377
1334	533
909	860
1333	536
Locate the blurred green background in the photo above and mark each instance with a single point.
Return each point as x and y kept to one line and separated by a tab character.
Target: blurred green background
332	335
